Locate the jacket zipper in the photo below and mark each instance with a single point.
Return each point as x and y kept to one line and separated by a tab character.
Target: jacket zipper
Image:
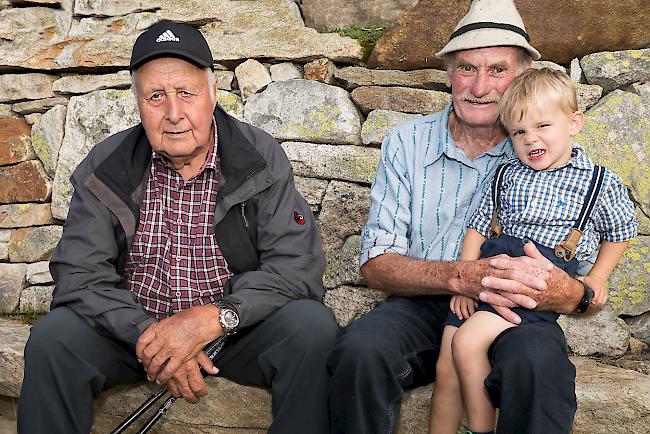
243	214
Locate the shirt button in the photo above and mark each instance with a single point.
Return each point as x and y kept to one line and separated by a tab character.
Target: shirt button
178	294
179	221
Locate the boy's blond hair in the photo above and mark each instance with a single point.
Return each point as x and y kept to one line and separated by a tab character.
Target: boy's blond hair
537	88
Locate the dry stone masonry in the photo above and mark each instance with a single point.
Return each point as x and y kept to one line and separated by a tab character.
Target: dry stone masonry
64	87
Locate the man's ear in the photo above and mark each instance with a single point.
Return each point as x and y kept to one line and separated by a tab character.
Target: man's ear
577	122
215	91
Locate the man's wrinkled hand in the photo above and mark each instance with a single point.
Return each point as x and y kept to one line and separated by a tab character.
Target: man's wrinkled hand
524	275
188	382
170	343
531	281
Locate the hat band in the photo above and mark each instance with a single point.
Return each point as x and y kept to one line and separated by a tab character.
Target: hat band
489	25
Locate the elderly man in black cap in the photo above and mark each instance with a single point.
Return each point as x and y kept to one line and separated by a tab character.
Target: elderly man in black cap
182	229
428	183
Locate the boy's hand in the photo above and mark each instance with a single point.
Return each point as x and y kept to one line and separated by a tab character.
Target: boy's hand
599	288
463	307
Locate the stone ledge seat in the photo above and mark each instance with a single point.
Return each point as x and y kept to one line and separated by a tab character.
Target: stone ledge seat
610	399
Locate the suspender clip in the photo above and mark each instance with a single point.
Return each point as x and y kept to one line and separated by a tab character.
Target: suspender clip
566	249
495	227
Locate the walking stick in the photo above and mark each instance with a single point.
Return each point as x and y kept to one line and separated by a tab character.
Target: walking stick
212	349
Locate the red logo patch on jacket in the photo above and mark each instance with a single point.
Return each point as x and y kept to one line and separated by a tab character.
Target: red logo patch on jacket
299	218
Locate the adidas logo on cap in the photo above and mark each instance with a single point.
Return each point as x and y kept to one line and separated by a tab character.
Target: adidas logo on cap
167	36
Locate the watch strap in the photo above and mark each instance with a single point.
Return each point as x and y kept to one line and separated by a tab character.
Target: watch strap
585	301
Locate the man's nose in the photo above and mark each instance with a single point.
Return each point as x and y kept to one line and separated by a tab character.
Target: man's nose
173	109
481	84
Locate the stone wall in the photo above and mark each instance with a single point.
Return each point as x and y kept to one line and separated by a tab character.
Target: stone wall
64	87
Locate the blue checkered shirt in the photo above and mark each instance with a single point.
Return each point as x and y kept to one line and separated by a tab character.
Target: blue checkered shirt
544	205
425	191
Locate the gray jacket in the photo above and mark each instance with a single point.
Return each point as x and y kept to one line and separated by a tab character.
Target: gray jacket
264	228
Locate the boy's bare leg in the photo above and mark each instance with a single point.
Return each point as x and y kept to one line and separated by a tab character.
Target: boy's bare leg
446	401
469	350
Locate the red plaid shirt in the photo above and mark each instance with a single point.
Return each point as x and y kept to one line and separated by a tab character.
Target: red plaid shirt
175	262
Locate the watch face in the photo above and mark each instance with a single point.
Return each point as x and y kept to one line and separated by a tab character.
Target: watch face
230	318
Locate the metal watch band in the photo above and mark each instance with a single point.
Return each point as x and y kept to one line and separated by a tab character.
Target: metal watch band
227	309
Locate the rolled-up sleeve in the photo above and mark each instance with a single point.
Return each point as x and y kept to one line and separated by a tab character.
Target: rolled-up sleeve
389	217
615	217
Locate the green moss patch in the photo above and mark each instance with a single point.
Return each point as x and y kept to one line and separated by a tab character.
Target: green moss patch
366	34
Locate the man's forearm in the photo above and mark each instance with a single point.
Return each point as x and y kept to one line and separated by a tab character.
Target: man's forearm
401	275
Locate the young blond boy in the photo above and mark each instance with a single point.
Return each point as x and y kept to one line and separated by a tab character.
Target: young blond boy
539	198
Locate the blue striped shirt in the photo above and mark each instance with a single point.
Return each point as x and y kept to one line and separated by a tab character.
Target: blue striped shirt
544	205
425	190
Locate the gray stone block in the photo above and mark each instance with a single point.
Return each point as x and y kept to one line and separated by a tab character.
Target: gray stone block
616	69
313	190
351	302
285	71
344	212
13	337
16	87
36	299
38	273
34	244
343	264
603	333
12	282
345	163
305	110
640	327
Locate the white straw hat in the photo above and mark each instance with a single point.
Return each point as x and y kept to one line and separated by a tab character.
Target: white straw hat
489	23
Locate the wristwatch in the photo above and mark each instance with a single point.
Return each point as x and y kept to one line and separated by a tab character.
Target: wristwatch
228	317
586	298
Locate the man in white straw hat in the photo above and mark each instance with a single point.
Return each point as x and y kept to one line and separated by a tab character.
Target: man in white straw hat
429	181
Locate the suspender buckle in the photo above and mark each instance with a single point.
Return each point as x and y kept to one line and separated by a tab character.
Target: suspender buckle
566	249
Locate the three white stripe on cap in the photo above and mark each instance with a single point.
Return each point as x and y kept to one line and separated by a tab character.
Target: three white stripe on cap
167	36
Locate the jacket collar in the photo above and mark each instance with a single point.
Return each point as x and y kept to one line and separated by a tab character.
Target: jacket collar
239	158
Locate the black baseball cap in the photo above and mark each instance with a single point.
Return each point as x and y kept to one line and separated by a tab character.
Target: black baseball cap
171	39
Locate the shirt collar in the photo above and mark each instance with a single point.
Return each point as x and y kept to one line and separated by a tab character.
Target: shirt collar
579	158
212	160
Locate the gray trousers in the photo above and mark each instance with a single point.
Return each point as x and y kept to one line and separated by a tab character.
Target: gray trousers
68	363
